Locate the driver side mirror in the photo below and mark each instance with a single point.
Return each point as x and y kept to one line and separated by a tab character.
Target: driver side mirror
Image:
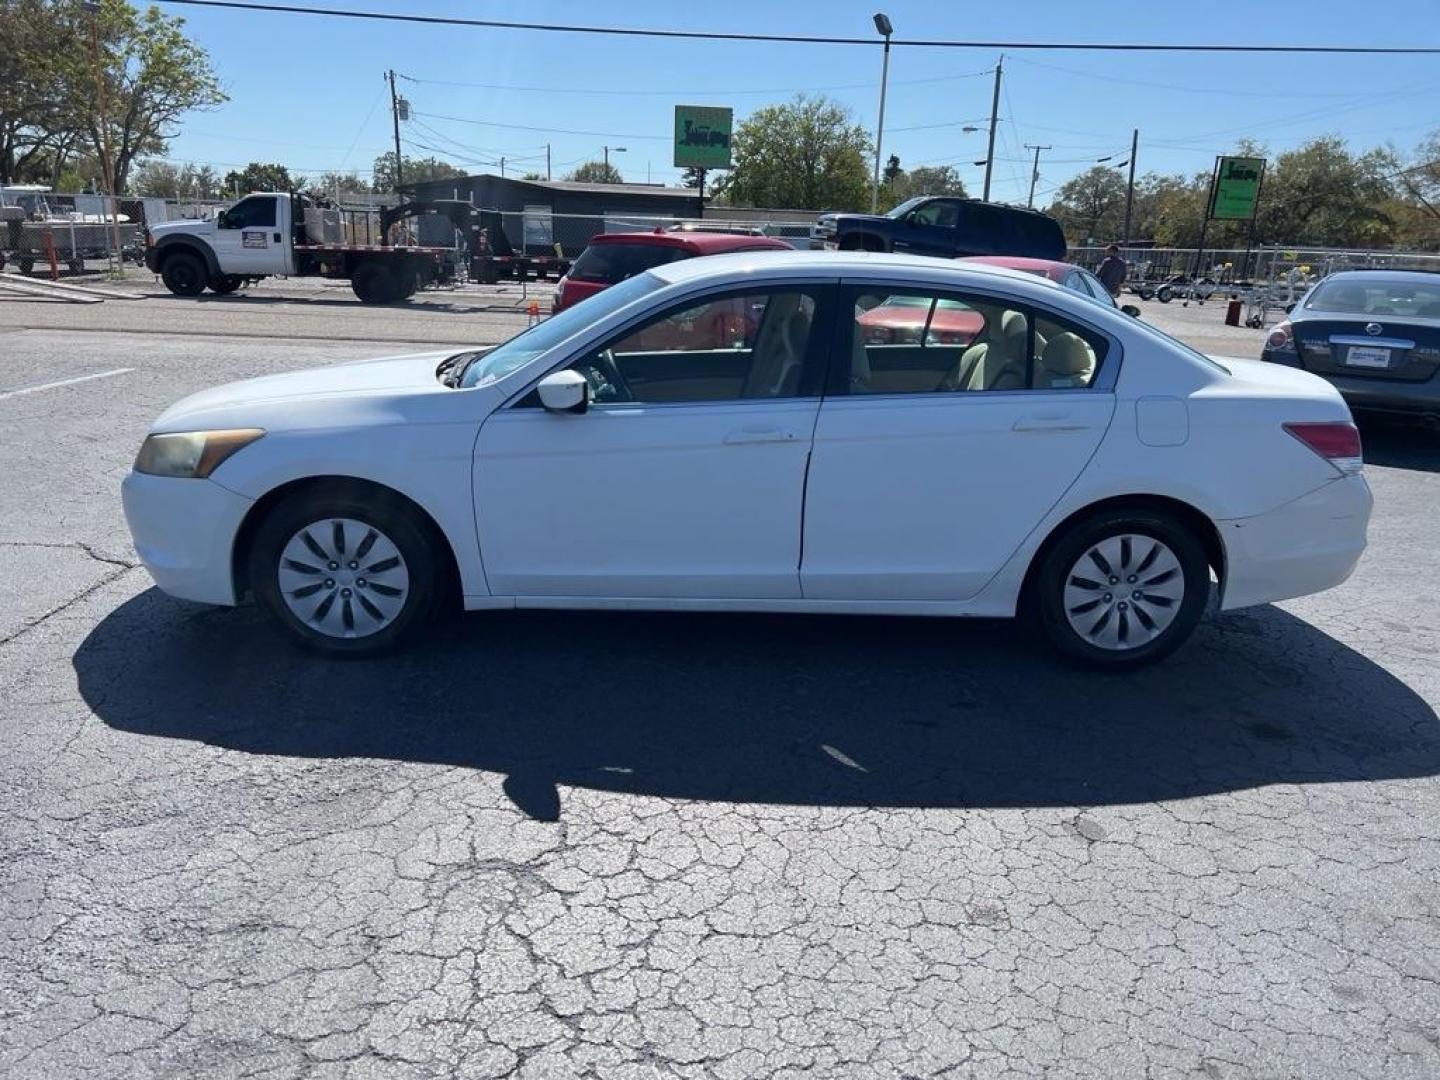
222	219
565	391
1131	310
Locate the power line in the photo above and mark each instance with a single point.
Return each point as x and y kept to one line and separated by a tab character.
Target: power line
806	39
1207	90
526	127
591	91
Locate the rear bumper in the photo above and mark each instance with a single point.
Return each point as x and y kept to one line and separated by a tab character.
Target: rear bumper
184	532
1381	395
1303	547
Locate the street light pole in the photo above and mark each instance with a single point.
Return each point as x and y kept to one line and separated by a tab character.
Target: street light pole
1034	171
607	149
882	26
994	118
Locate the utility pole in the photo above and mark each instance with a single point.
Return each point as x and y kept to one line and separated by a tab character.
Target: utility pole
502	168
395	118
1130	188
1035	170
101	107
547	161
994	119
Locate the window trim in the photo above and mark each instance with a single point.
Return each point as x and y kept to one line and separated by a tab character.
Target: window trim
817	352
837	379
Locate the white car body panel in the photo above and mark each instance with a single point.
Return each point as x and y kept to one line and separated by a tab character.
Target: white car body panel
913	504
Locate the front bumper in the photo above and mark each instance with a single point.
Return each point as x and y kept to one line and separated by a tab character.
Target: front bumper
184	532
1303	547
1380	395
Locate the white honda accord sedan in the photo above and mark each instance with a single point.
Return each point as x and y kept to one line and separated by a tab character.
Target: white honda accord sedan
729	434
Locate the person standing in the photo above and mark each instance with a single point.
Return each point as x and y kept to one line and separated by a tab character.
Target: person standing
1112	271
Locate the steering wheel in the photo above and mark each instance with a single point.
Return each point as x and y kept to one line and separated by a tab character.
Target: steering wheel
608	372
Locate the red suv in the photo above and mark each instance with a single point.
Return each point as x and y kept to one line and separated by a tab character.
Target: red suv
613	257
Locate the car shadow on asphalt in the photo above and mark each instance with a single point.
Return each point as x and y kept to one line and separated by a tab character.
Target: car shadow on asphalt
829	711
1399	443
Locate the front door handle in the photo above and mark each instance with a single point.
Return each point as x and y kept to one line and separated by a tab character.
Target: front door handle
1050	421
747	435
277	237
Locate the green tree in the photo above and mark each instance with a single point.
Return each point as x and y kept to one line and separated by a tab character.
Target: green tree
34	61
533	176
417	171
1321	193
892	170
153	75
1092	205
331	182
258	176
808	154
926	180
596	172
170	181
691	176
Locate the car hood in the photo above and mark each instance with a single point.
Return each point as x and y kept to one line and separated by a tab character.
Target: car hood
412	373
877	218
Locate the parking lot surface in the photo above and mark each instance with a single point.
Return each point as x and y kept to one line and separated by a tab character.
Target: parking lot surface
626	845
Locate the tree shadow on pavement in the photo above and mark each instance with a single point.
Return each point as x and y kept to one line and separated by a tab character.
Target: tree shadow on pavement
775	709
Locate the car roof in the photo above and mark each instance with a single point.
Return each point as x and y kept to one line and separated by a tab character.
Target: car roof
701	243
1021	262
861	266
1363	272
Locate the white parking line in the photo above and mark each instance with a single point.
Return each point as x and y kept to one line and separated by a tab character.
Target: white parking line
63	382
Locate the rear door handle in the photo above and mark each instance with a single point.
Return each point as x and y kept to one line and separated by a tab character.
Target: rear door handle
746	435
1050	421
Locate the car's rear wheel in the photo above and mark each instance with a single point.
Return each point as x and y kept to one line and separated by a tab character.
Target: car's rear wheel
184	274
1122	588
345	574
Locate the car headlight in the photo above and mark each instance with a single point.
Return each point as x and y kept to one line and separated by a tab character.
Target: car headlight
191	454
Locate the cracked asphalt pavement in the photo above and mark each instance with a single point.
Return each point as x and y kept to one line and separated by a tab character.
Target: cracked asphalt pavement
627	845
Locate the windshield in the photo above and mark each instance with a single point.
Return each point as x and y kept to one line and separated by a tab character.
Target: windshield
524	347
905	207
1377	295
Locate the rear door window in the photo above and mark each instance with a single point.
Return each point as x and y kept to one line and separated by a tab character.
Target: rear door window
610	264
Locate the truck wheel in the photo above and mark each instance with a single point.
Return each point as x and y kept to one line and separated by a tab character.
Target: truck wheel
184	274
225	284
76	266
1164	294
26	264
373	283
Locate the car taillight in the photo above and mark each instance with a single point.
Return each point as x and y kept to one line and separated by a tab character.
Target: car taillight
1337	441
1282	337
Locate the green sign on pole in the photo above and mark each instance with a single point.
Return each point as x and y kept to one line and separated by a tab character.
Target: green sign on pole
1237	188
702	136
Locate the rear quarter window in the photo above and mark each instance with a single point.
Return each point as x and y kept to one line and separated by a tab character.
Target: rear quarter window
610	264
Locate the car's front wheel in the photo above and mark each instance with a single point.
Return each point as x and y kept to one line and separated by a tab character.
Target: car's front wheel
1122	588
345	573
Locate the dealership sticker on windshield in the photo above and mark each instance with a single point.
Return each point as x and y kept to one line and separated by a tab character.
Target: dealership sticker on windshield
1367	356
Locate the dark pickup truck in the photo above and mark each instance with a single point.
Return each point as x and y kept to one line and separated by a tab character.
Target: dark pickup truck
946	227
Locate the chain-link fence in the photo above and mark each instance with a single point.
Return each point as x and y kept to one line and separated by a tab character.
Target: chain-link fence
49	233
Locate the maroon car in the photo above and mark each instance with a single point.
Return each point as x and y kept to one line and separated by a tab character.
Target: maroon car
613	257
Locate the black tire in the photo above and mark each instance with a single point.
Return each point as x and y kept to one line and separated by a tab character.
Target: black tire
184	273
25	264
374	283
320	507
76	266
225	284
1164	294
1047	594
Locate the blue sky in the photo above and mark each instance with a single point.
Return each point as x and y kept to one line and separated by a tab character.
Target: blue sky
310	92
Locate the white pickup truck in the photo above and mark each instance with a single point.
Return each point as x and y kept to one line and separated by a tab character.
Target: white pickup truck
279	234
